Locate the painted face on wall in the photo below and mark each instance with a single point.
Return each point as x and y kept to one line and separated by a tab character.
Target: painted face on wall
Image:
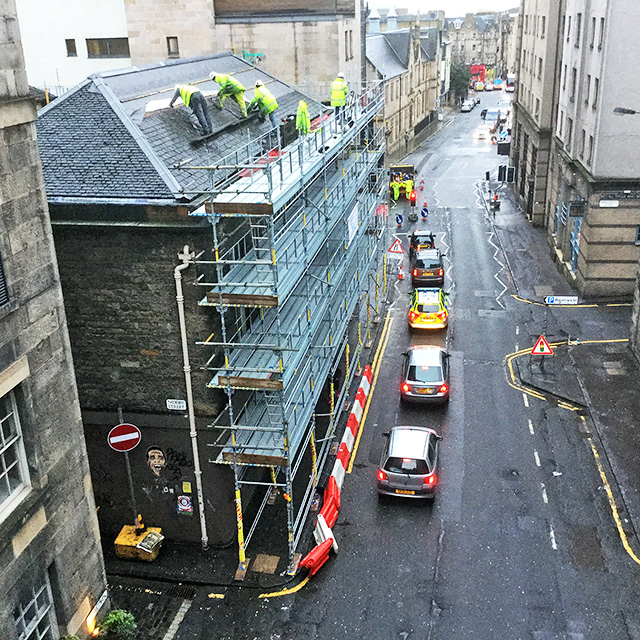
156	460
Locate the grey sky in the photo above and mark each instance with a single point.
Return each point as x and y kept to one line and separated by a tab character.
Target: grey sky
452	8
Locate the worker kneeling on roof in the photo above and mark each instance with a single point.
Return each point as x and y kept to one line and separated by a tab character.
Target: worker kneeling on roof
265	101
193	98
229	86
303	122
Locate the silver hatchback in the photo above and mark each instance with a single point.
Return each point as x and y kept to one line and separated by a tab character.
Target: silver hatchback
425	377
409	463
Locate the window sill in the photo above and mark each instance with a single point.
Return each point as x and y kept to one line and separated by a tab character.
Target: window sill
8	308
173	56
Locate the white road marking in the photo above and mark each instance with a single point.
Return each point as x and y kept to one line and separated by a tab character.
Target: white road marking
517	349
552	535
517	329
525	400
537	457
545	499
530	427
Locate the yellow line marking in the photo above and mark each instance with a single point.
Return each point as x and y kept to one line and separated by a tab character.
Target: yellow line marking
284	592
220	596
612	502
384	338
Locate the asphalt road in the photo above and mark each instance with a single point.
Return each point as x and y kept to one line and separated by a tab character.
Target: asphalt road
519	543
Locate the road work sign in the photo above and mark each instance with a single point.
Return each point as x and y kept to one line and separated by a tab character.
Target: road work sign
561	300
396	247
542	348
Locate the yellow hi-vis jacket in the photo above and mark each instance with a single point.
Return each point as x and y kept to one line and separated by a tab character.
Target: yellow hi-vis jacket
186	92
339	92
228	85
265	100
303	122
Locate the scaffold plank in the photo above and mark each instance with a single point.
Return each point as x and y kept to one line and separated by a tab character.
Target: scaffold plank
254	458
246	382
242	300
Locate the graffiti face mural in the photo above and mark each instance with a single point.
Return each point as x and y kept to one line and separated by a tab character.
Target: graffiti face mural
156	460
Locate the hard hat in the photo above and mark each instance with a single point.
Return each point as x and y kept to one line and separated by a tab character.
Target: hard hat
213	75
341	75
259	83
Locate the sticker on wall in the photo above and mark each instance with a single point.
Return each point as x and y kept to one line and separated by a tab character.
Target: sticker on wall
185	505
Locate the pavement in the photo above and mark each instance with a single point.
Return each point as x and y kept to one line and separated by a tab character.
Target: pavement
598	378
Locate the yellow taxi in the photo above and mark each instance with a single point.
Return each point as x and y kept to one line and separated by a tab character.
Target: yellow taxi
428	309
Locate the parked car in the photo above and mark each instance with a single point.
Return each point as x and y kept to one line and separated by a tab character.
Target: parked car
482	132
409	463
428	309
467	105
419	240
476	99
425	376
428	268
488	86
483	113
479	86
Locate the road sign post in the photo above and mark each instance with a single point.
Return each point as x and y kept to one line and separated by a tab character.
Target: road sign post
125	437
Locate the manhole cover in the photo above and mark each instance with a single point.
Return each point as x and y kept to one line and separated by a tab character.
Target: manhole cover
179	591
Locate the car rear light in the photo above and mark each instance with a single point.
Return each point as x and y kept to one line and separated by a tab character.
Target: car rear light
442	315
415	272
430	479
382	476
444	388
405	387
412	315
440	272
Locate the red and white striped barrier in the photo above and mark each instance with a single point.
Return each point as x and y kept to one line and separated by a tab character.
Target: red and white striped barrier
331	500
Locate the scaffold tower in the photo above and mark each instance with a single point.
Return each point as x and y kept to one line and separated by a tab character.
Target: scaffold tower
296	250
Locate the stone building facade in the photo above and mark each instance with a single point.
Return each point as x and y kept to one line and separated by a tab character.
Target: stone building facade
534	104
52	577
594	218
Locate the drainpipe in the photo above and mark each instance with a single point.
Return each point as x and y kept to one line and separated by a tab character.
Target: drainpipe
186	256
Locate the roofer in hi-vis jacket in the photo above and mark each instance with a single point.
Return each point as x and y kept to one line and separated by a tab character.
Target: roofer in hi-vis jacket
193	98
229	86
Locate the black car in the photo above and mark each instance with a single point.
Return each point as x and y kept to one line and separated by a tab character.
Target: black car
427	268
419	240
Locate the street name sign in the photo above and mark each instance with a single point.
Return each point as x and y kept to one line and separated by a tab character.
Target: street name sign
124	437
542	348
176	405
561	300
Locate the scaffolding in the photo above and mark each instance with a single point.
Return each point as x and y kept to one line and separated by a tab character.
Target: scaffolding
296	244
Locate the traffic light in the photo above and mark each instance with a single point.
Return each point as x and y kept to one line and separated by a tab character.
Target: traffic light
511	174
414	197
502	173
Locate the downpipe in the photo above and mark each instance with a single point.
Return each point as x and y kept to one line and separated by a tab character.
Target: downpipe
186	256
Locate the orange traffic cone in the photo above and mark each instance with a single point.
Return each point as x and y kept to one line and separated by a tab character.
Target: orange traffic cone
400	273
421	185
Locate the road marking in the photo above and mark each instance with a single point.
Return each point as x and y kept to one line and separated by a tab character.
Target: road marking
537	457
377	360
517	331
284	592
179	617
517	348
525	400
531	427
571	306
545	499
552	535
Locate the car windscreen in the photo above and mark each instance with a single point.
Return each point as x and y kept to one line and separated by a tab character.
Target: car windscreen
423	373
428	308
492	114
427	263
410	466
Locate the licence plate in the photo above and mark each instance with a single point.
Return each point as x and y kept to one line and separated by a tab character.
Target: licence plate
404	492
426	390
427	273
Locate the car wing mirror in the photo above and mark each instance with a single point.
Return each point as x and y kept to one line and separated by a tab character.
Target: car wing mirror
405	354
386	433
439	437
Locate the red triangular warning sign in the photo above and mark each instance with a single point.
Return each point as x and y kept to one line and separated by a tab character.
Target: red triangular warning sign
542	348
396	247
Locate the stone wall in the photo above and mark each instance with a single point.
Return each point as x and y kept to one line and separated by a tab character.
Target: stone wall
50	528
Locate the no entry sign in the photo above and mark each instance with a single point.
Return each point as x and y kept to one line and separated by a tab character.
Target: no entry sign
124	437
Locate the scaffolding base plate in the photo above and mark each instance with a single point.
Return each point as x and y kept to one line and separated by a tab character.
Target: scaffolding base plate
293	567
241	571
271	500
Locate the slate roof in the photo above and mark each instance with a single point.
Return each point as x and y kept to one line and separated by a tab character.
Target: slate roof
429	43
97	145
383	57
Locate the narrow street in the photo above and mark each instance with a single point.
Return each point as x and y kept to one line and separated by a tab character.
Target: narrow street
520	542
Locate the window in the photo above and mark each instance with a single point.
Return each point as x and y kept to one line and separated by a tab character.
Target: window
583	143
601	36
586	97
560	123
574	82
539	68
578	29
569	131
173	51
34	615
71	48
537	107
637	241
590	157
564	78
568	28
4	291
350	45
593	32
346	45
108	48
596	89
544	27
14	476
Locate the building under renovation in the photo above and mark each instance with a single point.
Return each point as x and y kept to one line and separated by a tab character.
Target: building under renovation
218	291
